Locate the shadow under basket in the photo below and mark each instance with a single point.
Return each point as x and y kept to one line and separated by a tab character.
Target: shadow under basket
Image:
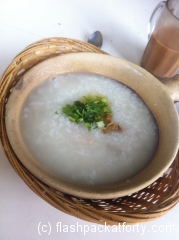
148	204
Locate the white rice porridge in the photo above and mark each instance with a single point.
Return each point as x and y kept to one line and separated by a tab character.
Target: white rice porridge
69	150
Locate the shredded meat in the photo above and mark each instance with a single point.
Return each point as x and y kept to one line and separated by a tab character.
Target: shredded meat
108	118
111	126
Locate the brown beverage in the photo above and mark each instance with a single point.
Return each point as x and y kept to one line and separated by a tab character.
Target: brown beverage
159	59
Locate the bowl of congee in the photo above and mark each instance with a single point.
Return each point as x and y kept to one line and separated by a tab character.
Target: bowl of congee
92	125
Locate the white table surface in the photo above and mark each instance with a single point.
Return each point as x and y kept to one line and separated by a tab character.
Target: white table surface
124	28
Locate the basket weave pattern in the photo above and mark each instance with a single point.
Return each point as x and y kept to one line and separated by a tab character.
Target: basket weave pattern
146	205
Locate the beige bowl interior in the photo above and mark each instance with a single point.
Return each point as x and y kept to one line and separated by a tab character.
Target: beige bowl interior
143	83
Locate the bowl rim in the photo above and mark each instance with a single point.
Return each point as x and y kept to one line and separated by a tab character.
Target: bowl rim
118	69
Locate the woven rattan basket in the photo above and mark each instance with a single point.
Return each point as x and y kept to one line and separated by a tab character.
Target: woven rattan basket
145	205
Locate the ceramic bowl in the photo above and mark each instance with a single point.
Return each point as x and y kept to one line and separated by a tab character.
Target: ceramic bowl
143	83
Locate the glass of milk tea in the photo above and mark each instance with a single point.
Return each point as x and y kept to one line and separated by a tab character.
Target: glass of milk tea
161	56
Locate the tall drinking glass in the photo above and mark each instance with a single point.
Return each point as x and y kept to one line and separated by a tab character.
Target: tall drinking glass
161	56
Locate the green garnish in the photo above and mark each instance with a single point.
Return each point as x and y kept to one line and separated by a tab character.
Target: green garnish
91	111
